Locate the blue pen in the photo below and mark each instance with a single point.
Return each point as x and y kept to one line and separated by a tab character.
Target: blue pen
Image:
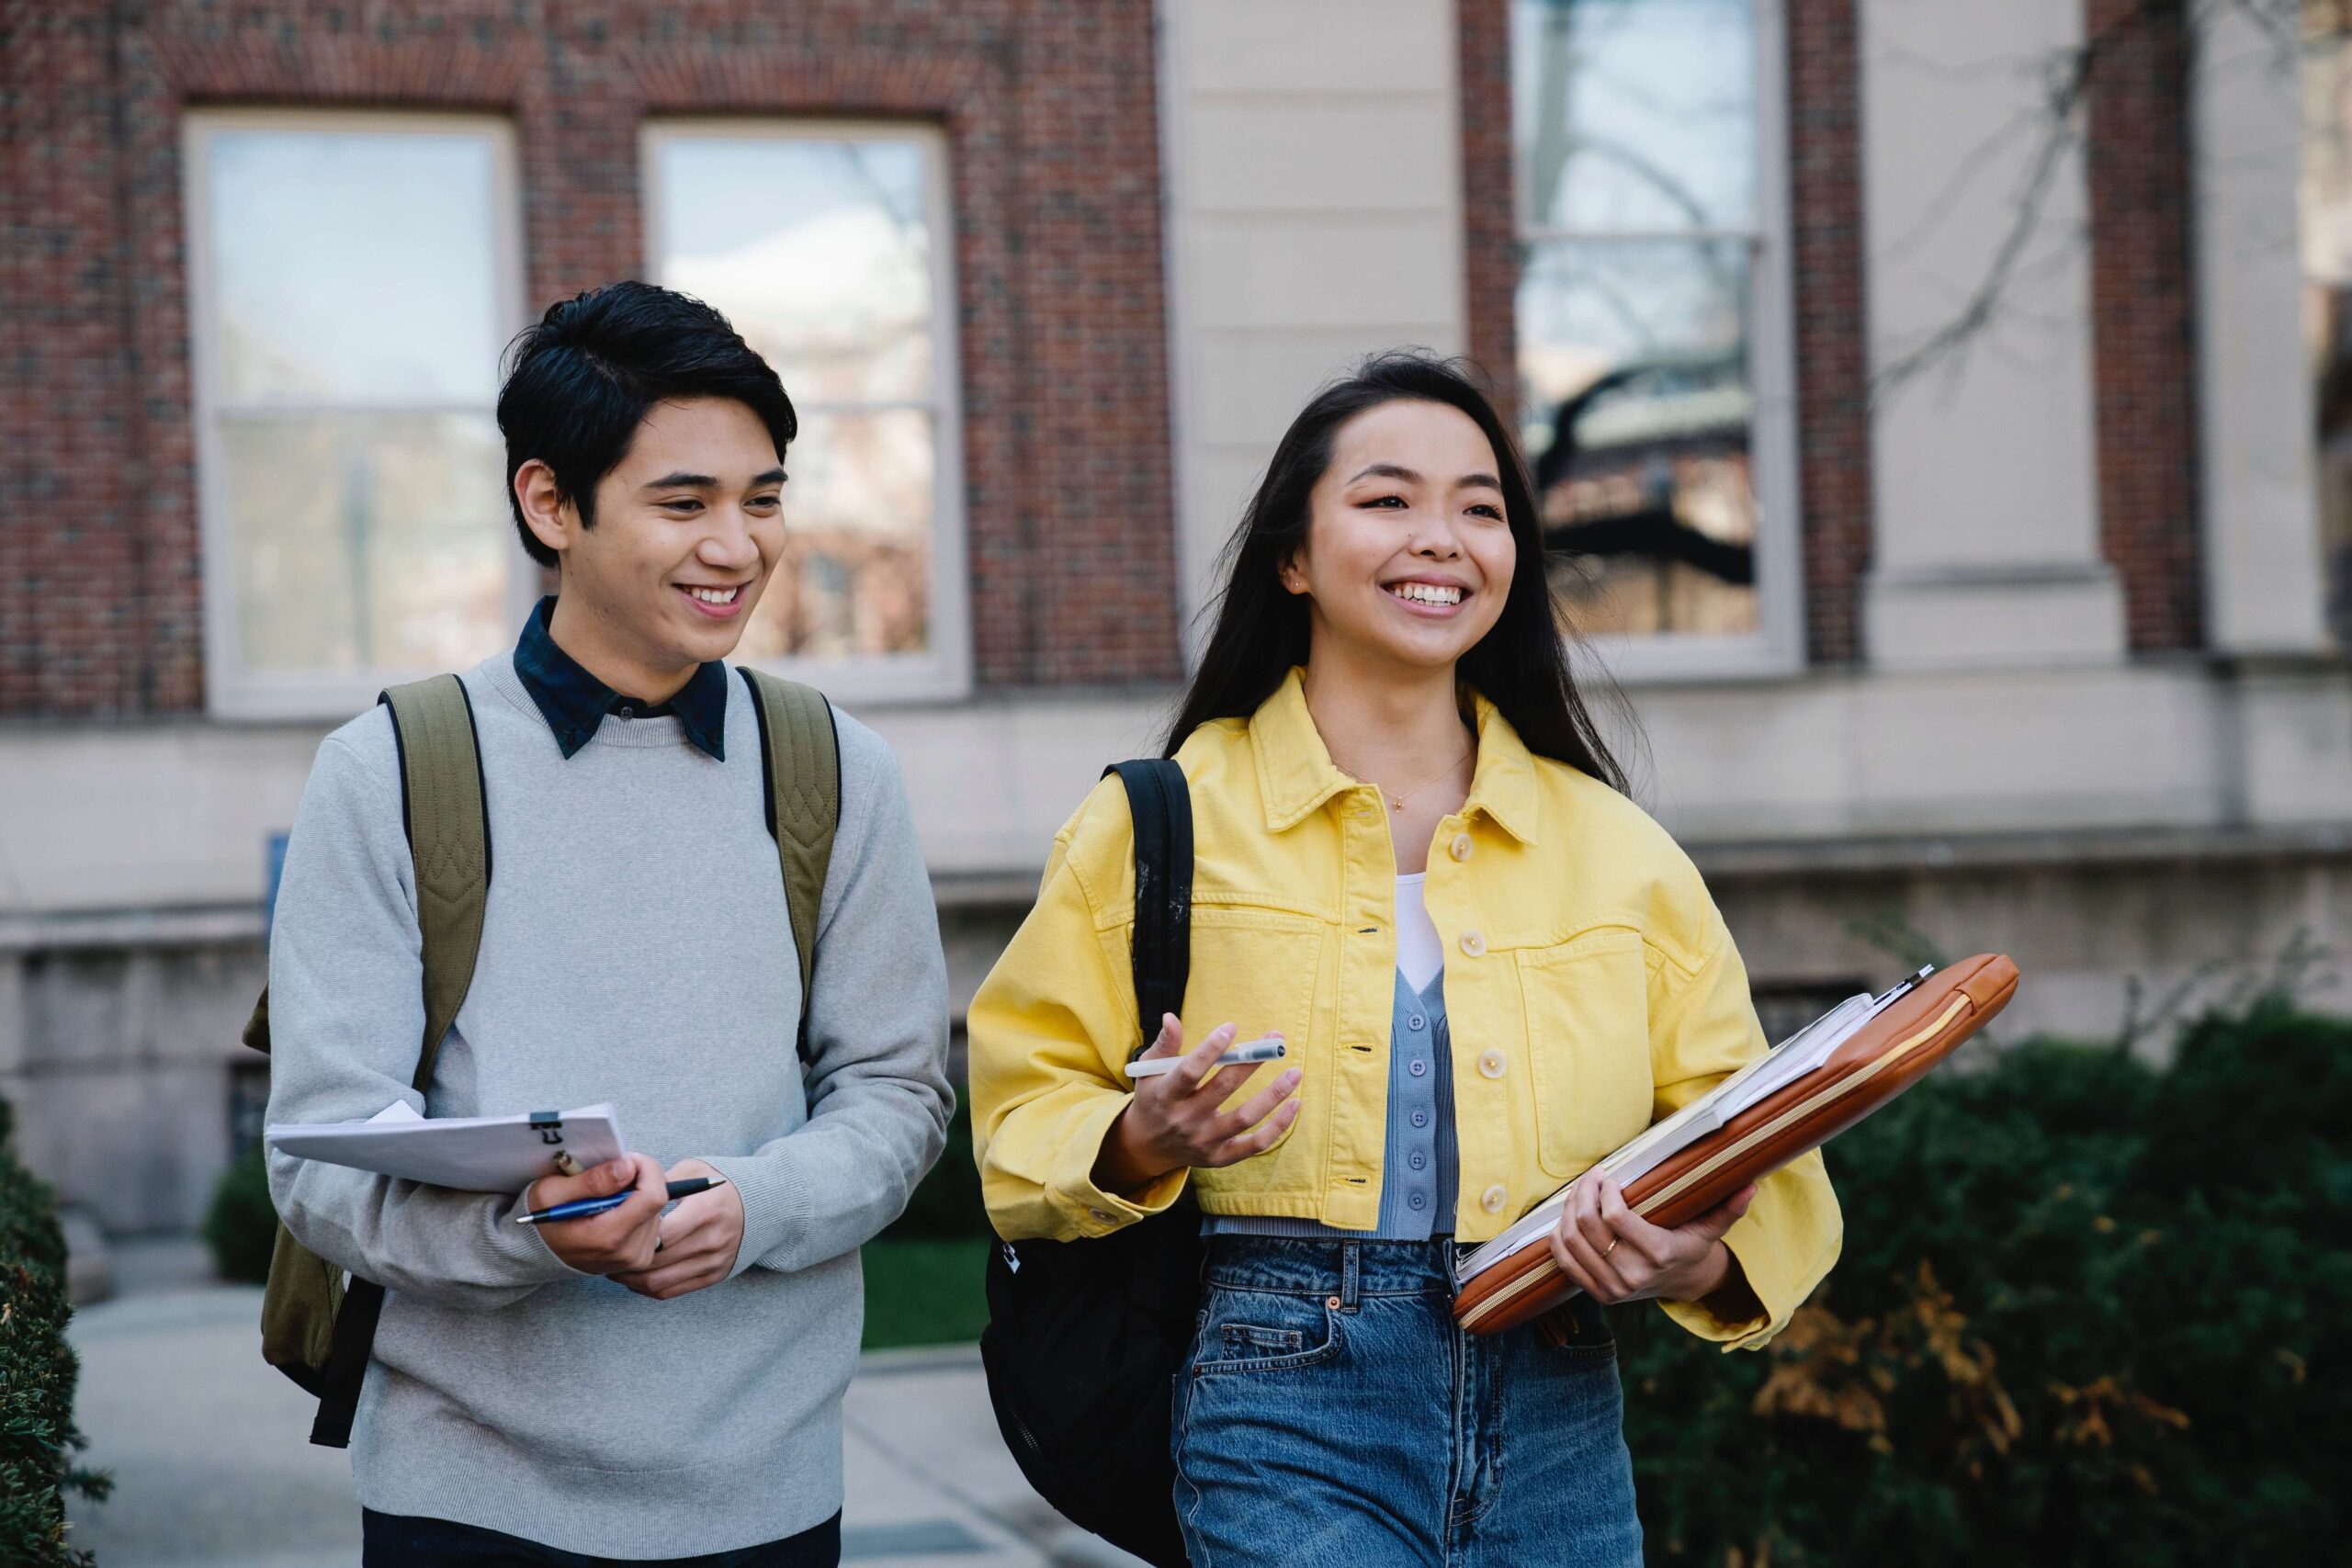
588	1208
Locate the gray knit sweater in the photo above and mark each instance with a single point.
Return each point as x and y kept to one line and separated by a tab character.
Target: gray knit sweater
637	949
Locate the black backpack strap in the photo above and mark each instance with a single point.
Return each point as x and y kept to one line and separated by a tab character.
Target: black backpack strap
445	809
1161	805
1084	1336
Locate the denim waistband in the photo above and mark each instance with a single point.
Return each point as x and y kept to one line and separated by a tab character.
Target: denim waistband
1316	1266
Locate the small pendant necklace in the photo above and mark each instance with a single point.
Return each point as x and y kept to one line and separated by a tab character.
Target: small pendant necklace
1397	802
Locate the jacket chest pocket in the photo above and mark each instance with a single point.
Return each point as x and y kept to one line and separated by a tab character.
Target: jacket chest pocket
1259	971
1587	1006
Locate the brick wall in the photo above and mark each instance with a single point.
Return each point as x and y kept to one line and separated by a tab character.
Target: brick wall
1833	367
2144	327
1490	237
1049	107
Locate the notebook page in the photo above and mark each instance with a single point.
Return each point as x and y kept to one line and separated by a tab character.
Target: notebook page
471	1154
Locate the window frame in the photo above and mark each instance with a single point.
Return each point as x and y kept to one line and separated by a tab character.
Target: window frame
943	672
232	690
1776	648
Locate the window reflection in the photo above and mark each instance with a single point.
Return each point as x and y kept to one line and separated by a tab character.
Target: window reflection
1637	160
366	541
820	247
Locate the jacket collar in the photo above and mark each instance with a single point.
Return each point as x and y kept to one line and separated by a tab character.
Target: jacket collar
1296	774
574	703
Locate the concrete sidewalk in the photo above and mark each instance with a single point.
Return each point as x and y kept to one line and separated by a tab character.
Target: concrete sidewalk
212	1468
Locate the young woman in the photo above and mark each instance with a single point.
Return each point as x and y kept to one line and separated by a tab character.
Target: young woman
1414	860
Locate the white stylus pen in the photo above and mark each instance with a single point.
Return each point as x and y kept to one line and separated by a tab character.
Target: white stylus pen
1268	1049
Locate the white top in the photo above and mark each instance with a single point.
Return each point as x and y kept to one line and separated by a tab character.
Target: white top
1419	956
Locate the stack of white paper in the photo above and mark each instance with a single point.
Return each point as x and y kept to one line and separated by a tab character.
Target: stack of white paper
473	1154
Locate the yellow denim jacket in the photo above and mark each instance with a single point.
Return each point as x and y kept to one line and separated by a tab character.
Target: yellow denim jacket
1591	988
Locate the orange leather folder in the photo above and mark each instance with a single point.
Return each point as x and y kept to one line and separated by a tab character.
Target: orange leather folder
1513	1277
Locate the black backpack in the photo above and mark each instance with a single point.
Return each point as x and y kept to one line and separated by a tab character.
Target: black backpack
1084	1338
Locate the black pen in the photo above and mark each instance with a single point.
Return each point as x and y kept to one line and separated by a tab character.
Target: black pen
586	1208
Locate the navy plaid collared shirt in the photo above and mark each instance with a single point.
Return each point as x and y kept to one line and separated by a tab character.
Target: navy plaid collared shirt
574	703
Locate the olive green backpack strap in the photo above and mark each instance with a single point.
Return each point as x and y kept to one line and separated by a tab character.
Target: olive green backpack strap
313	1329
802	748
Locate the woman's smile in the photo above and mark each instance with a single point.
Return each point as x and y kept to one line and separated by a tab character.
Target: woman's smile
1436	598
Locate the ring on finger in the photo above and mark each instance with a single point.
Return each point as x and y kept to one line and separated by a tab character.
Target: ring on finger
1610	1248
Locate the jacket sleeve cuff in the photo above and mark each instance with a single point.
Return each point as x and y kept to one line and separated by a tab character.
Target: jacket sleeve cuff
1779	1295
1087	1208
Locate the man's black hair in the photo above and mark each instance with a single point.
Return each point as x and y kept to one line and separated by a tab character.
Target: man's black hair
580	383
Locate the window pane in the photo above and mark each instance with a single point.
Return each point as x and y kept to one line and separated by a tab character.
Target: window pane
1635	114
364	541
352	267
1634	355
819	252
856	572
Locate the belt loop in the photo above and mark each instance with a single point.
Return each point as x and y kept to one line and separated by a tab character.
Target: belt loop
1348	1266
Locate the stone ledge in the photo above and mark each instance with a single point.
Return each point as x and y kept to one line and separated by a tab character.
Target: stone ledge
2137	846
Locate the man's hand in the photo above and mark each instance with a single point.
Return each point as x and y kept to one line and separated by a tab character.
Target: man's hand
699	1239
1174	1120
616	1239
1617	1256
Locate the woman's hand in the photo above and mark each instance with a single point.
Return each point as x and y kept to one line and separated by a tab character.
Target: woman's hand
1173	1121
1617	1256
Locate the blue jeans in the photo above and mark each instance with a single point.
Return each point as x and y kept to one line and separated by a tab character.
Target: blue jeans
404	1540
1329	1414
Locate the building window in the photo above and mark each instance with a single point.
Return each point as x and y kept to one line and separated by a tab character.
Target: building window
352	279
829	247
1652	321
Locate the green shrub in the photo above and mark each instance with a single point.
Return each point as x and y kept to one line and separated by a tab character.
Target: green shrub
925	1292
945	1205
37	1439
241	1222
2082	1317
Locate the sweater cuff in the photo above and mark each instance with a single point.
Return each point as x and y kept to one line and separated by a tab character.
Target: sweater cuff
1090	1209
774	1206
519	1251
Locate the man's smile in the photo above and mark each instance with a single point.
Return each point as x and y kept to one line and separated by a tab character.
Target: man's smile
719	603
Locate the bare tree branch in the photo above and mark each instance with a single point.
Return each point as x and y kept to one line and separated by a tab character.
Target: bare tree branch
2071	74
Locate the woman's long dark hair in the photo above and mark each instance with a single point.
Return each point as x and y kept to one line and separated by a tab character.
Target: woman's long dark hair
1521	665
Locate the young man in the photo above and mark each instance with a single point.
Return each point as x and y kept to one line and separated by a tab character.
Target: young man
642	1385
